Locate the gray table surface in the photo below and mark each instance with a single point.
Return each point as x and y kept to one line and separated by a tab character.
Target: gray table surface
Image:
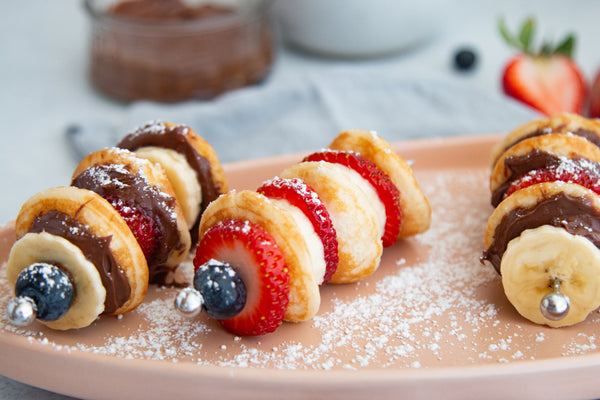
405	96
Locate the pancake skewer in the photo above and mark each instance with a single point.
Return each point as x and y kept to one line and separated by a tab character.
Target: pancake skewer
543	237
336	200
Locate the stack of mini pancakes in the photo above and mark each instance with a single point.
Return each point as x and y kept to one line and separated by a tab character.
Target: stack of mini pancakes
543	236
128	218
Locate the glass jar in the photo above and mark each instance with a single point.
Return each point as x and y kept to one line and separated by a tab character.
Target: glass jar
173	50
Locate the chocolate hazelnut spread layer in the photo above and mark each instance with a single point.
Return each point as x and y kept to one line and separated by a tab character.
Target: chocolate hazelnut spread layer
95	249
585	133
174	137
575	214
536	160
115	181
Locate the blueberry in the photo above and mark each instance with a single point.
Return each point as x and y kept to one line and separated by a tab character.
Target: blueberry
465	59
222	288
49	287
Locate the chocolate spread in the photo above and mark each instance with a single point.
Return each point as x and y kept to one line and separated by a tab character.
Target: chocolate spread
95	249
172	50
115	181
585	133
575	214
589	135
174	138
520	165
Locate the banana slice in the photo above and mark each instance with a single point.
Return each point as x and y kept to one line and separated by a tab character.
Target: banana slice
182	177
534	259
88	303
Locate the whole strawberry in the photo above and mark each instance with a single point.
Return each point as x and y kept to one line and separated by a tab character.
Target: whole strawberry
595	98
546	79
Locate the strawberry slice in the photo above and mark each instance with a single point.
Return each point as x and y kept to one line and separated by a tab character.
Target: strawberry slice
143	227
386	190
547	80
594	111
253	253
301	195
581	172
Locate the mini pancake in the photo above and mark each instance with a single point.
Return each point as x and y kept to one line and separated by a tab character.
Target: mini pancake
566	205
82	210
120	173
199	156
415	207
352	213
565	123
536	153
304	296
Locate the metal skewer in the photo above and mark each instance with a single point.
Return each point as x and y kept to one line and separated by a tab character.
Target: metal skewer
555	305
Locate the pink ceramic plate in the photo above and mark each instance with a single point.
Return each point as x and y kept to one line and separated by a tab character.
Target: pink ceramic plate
432	322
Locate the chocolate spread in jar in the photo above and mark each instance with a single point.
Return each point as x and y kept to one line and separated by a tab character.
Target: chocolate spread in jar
115	180
169	50
95	249
174	138
575	214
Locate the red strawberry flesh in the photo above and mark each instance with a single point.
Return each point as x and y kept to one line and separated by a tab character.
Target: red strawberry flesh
594	111
580	171
386	190
550	85
302	196
254	254
547	78
143	227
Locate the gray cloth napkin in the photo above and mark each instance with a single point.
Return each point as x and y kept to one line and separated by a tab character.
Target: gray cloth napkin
268	120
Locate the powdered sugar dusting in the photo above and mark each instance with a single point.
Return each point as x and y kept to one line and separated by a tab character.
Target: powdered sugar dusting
431	304
156	127
157	342
580	170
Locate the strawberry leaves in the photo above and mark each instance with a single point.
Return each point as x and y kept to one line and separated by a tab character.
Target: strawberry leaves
524	41
566	47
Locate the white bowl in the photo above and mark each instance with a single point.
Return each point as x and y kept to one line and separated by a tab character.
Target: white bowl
357	28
